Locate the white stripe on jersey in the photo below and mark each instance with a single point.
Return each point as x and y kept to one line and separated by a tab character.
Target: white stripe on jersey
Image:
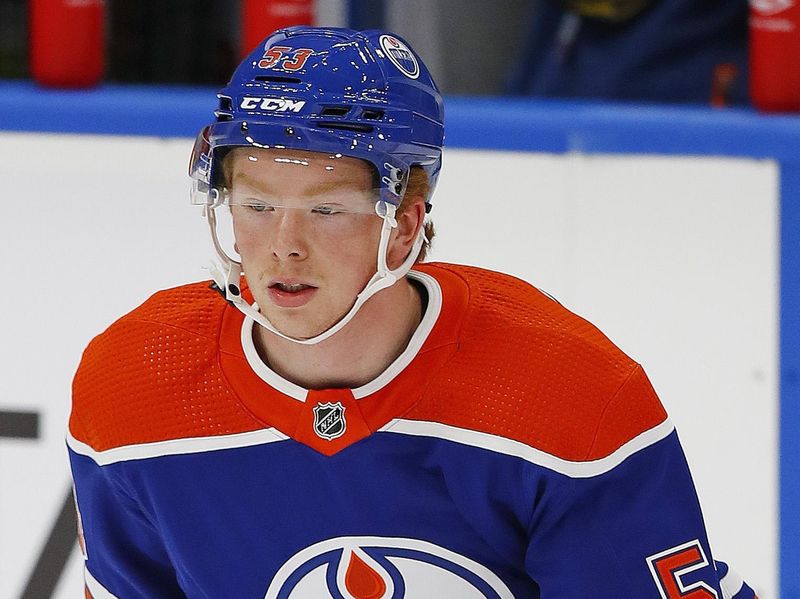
731	584
175	446
521	450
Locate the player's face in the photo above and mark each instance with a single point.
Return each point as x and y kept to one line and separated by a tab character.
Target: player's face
307	233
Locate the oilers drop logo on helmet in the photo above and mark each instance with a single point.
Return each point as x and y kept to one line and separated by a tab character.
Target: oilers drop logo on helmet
400	55
383	568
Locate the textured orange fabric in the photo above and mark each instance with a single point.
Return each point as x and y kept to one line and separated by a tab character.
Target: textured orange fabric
530	370
503	359
154	375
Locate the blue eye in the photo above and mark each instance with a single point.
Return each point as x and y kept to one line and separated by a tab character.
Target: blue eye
260	207
324	210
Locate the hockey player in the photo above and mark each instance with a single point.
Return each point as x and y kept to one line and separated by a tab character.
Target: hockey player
333	418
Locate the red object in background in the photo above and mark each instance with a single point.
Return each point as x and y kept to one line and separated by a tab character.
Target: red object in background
775	55
722	84
67	42
262	17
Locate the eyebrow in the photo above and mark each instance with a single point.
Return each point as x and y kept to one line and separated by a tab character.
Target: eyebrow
318	189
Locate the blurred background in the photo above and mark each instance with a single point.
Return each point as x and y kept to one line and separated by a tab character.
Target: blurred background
638	159
652	50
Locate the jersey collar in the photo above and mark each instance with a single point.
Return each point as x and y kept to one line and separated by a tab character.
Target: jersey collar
299	393
330	420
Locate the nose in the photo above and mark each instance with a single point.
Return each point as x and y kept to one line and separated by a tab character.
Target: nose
289	236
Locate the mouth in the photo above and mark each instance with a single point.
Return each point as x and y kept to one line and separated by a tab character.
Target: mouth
290	294
290	287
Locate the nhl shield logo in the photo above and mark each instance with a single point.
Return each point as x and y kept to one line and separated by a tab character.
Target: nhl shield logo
329	422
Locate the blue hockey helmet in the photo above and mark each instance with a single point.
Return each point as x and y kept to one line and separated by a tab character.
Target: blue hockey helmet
360	94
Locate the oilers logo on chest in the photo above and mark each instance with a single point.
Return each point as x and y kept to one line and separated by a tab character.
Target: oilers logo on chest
383	568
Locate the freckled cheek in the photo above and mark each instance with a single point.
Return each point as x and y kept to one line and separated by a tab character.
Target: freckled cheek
245	246
360	261
251	243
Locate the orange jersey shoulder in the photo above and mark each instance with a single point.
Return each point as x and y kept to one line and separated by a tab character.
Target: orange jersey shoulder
154	375
530	370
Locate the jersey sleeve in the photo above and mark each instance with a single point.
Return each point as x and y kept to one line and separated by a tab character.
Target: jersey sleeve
625	522
123	552
733	586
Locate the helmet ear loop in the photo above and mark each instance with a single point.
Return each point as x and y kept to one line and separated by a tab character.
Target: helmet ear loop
388	277
226	274
387	212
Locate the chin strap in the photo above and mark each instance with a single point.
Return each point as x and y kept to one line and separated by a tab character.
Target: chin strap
227	273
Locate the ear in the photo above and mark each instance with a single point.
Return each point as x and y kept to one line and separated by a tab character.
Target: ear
409	222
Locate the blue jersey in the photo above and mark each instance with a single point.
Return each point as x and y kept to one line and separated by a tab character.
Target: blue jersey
510	451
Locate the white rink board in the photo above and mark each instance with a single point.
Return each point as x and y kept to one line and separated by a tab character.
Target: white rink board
675	258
